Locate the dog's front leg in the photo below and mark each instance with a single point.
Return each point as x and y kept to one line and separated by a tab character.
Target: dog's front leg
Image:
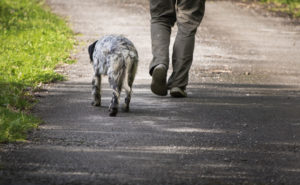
96	90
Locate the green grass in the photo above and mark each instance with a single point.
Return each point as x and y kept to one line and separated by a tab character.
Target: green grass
33	41
291	7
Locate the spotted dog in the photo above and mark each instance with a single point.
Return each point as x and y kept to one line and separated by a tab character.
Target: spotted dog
116	57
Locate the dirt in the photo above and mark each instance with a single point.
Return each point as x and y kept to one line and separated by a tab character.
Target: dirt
239	125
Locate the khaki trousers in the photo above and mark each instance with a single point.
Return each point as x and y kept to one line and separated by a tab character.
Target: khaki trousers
164	13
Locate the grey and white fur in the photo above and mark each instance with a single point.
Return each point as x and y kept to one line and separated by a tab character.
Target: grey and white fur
116	57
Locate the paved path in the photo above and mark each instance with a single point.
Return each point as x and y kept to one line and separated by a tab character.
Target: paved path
239	125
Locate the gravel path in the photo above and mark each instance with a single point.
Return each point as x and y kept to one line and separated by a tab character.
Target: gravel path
239	125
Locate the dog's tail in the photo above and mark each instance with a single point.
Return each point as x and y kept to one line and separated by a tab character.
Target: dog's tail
131	69
91	50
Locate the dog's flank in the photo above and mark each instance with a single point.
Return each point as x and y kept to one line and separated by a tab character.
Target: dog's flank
116	57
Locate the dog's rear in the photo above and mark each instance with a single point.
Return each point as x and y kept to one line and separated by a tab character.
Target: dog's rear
116	57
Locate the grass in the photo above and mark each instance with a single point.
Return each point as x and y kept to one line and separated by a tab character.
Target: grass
291	7
33	41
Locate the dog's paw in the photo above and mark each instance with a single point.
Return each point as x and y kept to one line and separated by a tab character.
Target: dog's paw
96	103
113	112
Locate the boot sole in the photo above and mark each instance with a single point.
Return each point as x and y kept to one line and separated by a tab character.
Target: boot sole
159	85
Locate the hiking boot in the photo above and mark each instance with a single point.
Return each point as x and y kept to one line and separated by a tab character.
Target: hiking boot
178	92
159	84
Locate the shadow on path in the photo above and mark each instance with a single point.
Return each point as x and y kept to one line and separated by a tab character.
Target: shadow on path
220	134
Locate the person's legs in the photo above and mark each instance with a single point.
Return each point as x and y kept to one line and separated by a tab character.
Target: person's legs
163	17
189	16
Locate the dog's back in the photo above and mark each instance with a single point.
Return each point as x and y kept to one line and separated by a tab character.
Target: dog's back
116	57
112	52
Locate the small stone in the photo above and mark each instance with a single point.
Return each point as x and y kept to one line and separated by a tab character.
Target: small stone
226	159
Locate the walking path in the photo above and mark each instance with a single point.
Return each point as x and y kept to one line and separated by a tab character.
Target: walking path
239	125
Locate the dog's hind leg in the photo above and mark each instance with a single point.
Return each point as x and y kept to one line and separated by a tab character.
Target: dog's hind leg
128	81
127	100
116	85
96	90
128	92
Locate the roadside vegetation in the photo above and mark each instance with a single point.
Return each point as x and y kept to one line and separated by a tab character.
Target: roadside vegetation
33	41
290	7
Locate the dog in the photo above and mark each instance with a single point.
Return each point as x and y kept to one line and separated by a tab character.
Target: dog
116	57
